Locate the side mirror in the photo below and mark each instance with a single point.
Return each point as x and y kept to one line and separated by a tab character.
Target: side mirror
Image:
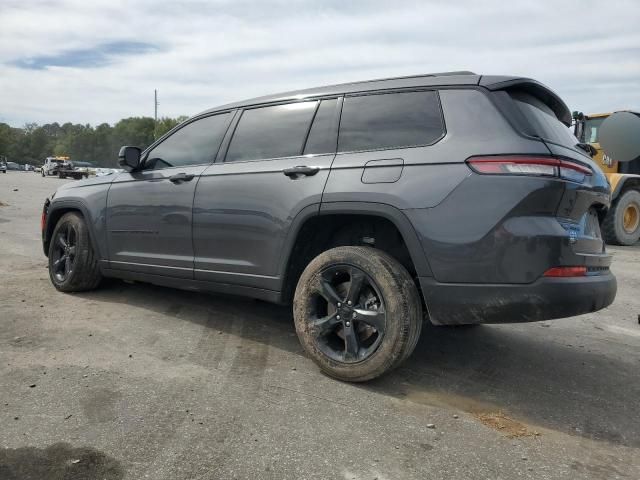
129	158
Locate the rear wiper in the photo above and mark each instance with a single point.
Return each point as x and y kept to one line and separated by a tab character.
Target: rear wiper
587	147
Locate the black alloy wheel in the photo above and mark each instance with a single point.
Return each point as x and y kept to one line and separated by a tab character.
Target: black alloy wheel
73	263
357	312
348	315
64	252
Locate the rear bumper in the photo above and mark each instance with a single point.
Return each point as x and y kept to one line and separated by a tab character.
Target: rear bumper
544	299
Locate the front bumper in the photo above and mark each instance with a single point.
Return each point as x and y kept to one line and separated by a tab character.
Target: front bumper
544	299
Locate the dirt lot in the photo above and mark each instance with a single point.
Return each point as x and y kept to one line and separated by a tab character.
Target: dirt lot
138	381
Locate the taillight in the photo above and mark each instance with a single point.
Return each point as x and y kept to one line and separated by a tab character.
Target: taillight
566	272
535	166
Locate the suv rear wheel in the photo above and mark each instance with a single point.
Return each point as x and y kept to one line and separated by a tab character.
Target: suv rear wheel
73	265
357	312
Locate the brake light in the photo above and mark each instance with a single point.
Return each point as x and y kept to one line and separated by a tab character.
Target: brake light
535	166
566	272
43	221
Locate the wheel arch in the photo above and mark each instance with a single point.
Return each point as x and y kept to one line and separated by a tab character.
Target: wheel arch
362	210
55	212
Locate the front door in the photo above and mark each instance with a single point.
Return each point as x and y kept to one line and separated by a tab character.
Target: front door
149	212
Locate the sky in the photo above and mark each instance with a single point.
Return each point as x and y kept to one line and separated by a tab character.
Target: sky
95	61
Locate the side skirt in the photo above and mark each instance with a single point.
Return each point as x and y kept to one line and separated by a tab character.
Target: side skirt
271	296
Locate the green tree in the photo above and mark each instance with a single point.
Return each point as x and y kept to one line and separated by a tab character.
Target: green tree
99	145
165	124
8	138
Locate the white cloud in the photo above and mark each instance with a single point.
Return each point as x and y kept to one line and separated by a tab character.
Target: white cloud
211	53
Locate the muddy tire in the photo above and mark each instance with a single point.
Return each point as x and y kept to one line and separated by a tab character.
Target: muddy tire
357	313
73	264
621	225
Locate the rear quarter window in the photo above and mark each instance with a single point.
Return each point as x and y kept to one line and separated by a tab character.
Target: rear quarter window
390	120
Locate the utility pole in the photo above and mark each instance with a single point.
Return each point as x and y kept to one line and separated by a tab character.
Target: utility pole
155	113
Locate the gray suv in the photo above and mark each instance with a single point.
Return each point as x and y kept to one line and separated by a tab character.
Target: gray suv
370	206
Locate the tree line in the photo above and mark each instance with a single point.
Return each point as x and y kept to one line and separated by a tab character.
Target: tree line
99	145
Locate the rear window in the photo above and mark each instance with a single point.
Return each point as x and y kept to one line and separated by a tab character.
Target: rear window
543	120
390	120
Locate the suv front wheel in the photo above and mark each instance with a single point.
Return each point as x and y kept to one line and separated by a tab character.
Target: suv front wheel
357	312
73	265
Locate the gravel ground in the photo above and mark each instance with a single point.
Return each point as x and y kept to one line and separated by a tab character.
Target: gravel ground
138	381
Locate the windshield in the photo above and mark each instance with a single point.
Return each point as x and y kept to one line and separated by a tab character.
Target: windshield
592	129
543	120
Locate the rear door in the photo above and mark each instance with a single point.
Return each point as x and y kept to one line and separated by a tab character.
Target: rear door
384	144
276	166
149	212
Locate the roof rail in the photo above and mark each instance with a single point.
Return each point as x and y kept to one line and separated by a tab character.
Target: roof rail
445	74
442	74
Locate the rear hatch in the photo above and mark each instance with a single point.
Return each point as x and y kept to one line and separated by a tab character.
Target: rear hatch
585	201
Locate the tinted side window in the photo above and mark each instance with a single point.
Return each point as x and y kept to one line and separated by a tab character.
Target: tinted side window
322	136
271	132
390	120
193	144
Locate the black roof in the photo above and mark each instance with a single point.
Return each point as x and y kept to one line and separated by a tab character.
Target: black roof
460	78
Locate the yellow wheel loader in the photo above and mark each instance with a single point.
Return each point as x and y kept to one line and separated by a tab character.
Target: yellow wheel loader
615	144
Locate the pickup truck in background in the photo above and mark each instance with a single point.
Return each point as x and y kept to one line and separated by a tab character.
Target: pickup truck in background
70	170
63	167
52	165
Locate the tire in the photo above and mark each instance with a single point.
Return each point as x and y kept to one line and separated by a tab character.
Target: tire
83	272
613	227
43	174
387	307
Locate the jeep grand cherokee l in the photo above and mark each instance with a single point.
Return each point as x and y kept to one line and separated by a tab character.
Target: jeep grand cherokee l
369	206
